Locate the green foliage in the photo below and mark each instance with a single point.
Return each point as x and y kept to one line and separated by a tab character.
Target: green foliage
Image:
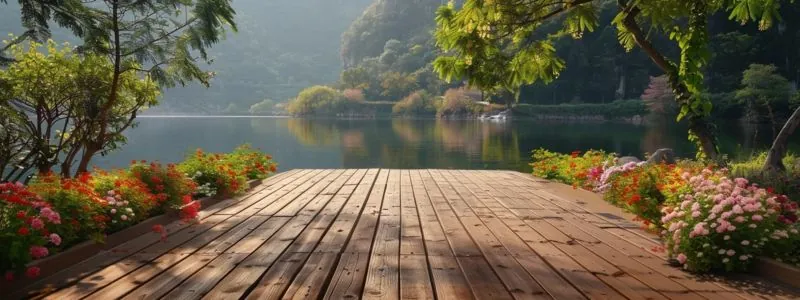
762	87
264	107
170	186
614	110
80	207
787	183
256	164
460	102
56	97
396	85
419	103
573	169
321	100
214	174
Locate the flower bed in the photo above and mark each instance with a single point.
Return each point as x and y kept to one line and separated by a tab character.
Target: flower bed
52	214
708	219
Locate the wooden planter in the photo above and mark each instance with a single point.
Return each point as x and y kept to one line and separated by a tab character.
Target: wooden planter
777	271
80	252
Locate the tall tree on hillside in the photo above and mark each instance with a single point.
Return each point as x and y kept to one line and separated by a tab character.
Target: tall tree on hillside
484	38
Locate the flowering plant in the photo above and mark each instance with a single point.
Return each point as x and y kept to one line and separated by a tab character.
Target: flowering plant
26	229
129	199
722	224
168	185
215	170
256	165
82	209
579	170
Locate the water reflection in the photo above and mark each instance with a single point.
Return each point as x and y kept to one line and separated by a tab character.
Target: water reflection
401	143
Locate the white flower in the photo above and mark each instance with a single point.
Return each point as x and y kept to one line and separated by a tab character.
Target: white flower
124	217
706	245
743	257
113	211
129	209
112	203
727	237
721	251
699	254
725	260
745	242
752	226
111	193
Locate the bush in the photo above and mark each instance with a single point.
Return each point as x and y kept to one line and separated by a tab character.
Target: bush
129	199
214	174
28	227
82	210
170	186
614	110
354	95
787	183
575	169
722	223
459	102
321	100
256	165
419	103
264	107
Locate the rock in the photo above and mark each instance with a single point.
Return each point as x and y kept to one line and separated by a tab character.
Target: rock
627	159
665	155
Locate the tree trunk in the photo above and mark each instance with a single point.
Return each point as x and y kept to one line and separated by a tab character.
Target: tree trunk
698	125
779	146
88	152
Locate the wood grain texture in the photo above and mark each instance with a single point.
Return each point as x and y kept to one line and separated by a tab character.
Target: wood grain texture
392	234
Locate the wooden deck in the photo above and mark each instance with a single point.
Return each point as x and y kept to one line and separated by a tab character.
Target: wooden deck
391	234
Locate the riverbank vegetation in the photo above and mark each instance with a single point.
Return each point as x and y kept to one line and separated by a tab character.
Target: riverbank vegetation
52	213
710	217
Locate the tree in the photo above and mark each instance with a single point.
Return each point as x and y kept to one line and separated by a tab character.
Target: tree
498	43
49	99
317	100
658	96
396	85
761	85
355	78
162	40
263	107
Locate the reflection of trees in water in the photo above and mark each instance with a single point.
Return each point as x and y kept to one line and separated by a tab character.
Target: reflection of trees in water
500	144
407	130
353	140
314	132
459	136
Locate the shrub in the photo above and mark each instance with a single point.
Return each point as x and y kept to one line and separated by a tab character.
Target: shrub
28	229
169	186
722	223
354	95
419	103
576	169
130	200
256	165
787	183
459	102
214	174
320	100
614	110
82	209
263	107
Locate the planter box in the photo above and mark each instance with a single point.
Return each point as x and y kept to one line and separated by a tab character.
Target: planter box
80	252
777	271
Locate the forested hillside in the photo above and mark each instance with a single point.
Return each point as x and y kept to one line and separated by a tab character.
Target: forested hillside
282	47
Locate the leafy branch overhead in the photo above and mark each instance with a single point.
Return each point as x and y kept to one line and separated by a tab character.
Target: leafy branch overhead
500	44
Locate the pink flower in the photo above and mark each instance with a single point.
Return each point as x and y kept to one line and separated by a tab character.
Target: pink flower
682	258
696	214
731	252
757	218
50	215
740	219
741	182
737	209
32	272
55	239
37	224
38	252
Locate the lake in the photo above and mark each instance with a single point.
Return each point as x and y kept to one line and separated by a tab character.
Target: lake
403	143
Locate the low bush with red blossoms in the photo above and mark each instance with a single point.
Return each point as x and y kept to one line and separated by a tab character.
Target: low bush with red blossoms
27	231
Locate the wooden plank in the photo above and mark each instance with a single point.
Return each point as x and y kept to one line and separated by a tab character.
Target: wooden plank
206	278
113	272
308	284
511	273
351	270
271	193
269	186
80	272
164	282
244	275
287	207
278	278
383	270
448	280
342	229
415	281
458	238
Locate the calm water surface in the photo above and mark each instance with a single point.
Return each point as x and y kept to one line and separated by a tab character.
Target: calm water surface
304	143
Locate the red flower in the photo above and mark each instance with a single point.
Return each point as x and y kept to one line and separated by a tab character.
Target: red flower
272	168
770	190
23	231
158	228
33	272
575	153
21	215
9	275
